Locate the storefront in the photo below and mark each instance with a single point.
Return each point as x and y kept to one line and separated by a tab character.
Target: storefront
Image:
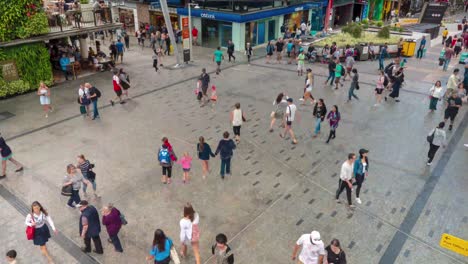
217	28
360	10
157	19
342	12
294	20
127	18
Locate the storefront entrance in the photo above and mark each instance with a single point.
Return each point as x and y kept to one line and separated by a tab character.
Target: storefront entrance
342	14
127	18
157	19
357	11
294	20
216	33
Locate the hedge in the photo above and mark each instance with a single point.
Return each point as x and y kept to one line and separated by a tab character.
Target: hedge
33	64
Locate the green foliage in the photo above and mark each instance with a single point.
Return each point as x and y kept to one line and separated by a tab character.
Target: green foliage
365	21
379	23
84	2
32	62
384	32
20	18
354	29
343	39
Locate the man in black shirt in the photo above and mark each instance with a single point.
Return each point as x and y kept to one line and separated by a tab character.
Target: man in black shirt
230	50
331	71
453	104
94	94
205	82
279	50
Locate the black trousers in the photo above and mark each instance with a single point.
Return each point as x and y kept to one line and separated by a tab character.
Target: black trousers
97	244
358	183
432	151
230	54
332	134
419	54
341	186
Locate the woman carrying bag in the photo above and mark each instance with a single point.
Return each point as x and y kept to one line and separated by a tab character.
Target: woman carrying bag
162	250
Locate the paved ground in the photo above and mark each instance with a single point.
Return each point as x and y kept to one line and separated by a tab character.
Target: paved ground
277	191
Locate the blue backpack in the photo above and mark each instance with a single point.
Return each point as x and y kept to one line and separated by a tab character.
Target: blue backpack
164	156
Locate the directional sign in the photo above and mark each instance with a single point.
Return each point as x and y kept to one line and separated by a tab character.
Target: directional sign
455	244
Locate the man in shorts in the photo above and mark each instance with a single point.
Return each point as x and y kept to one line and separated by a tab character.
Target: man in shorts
313	250
300	63
117	88
205	82
279	50
453	104
289	116
120	50
218	57
349	66
338	72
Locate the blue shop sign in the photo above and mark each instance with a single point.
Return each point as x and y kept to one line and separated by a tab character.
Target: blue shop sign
241	18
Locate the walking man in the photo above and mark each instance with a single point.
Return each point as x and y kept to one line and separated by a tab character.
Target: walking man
313	249
7	155
449	52
453	104
331	71
120	50
422	45
218	57
339	71
289	116
346	176
279	50
90	227
230	51
225	149
382	55
94	94
205	82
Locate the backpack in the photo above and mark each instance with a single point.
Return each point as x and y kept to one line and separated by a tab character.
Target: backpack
388	69
164	157
342	70
98	93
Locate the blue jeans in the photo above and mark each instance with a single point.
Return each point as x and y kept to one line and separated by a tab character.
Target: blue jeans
75	197
446	64
85	186
331	75
318	120
95	109
351	92
116	242
225	166
381	64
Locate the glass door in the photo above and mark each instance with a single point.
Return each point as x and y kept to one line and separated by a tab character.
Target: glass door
261	33
271	29
226	33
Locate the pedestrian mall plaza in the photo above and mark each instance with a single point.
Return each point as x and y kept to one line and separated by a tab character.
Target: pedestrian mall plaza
277	190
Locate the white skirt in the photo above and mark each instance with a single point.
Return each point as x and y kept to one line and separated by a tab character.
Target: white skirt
45	100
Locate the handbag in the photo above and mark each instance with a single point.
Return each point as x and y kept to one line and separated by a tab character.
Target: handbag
91	175
357	86
430	138
175	256
123	219
82	109
67	190
30	230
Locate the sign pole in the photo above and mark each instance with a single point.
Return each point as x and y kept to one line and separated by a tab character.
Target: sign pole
328	15
167	20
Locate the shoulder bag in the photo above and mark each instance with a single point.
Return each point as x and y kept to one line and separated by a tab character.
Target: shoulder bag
67	190
30	230
430	138
174	255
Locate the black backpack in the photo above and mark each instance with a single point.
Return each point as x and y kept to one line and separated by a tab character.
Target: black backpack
388	69
98	93
342	70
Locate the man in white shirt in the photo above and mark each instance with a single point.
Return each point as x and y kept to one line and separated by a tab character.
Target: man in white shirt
313	250
303	28
289	116
346	176
452	83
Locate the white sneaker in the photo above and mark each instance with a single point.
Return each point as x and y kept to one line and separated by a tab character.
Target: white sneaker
429	163
466	145
301	99
358	200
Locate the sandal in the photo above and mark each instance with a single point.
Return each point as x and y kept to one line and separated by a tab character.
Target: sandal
18	170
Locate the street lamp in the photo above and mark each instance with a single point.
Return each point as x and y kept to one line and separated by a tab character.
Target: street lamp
196	6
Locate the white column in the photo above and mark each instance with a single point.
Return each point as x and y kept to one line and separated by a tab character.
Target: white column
84	47
196	22
280	21
238	36
135	15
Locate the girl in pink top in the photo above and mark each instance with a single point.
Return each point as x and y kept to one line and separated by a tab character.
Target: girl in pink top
186	162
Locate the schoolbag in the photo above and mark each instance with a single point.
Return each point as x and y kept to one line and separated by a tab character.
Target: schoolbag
342	71
164	156
98	93
389	69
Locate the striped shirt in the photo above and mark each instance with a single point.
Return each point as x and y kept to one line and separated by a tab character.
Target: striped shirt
84	167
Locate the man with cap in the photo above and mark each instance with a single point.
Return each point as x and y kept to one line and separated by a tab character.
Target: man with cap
346	177
313	250
361	167
289	116
90	227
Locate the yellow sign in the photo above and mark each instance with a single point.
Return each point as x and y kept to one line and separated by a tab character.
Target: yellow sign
408	21
454	243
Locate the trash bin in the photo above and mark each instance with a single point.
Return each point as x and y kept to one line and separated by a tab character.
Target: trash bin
409	47
363	51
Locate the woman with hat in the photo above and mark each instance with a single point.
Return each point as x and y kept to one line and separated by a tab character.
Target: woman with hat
361	167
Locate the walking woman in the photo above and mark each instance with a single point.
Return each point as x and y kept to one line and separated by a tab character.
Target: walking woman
280	108
335	254
124	81
44	96
397	82
225	149
74	179
435	94
269	51
354	85
320	110
237	116
309	84
7	155
84	99
111	219
361	168
190	232
248	52
86	169
436	138
204	153
37	219
334	118
379	87
161	248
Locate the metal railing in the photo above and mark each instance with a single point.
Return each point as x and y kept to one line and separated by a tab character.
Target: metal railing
78	19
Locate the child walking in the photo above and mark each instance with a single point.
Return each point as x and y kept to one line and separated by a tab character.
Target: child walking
186	162
213	97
